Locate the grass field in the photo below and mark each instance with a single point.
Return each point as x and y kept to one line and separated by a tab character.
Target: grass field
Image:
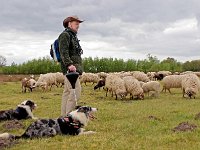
121	125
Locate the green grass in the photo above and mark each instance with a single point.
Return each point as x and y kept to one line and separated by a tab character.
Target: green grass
120	124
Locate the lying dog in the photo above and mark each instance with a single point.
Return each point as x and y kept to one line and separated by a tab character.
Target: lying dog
72	124
23	111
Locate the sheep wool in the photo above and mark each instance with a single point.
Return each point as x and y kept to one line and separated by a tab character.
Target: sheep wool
190	85
133	87
152	86
172	81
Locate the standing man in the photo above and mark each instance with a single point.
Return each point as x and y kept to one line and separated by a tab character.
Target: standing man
70	52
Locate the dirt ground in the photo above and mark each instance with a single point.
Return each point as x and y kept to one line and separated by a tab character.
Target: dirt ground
13	124
10	125
154	118
12	78
184	126
6	143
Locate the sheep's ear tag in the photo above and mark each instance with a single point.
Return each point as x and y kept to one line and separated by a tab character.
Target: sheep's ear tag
72	77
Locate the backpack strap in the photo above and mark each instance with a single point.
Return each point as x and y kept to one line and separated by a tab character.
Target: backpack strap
70	34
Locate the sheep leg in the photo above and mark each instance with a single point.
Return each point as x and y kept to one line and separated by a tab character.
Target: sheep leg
112	93
169	91
50	87
157	94
22	89
115	96
183	93
106	92
57	85
131	96
163	89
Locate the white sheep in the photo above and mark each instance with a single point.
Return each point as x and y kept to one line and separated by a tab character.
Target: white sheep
133	87
59	78
186	72
28	83
152	86
109	83
151	75
48	79
172	81
124	74
165	73
89	77
190	85
140	76
102	75
118	88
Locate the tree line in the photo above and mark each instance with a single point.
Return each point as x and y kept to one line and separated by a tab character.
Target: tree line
94	65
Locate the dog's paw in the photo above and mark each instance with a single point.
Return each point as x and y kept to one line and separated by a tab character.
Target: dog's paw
87	132
90	132
93	132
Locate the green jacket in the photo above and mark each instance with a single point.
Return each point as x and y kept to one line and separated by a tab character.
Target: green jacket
70	51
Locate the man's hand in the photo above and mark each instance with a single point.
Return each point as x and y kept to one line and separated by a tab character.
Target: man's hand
72	68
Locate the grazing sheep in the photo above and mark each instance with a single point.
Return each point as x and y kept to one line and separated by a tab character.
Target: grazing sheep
190	85
118	88
151	75
32	83
32	76
59	78
89	77
133	87
161	74
158	76
124	74
109	83
165	73
172	81
101	83
28	83
102	75
152	86
140	76
48	79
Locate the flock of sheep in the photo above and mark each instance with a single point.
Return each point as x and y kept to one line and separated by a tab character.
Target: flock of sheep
121	84
44	81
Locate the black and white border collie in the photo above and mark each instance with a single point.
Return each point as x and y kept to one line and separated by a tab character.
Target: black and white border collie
23	111
71	124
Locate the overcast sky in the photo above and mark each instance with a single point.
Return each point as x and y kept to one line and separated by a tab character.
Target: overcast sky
112	28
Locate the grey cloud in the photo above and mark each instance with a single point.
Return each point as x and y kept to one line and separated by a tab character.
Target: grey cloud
132	25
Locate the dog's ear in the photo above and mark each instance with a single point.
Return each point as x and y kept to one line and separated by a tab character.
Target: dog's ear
29	102
77	107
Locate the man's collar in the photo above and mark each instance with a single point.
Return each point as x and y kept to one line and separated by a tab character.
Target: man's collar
71	30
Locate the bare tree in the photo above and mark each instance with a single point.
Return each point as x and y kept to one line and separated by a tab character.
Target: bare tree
2	61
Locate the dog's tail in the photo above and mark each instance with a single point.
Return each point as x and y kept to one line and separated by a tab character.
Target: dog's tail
8	136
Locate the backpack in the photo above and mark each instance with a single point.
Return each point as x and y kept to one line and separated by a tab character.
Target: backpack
54	50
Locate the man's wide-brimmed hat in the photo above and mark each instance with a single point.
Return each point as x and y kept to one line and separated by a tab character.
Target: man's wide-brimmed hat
70	19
